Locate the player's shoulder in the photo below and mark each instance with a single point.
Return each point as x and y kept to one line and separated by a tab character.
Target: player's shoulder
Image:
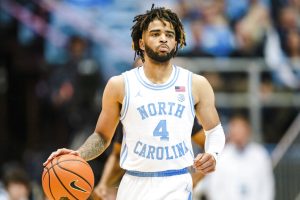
116	81
199	80
201	88
115	86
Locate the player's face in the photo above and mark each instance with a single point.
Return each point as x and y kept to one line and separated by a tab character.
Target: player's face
158	41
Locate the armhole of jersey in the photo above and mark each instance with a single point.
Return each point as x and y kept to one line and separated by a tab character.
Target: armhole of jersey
190	91
126	98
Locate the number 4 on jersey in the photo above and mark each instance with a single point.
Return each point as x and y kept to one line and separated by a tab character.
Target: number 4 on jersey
161	130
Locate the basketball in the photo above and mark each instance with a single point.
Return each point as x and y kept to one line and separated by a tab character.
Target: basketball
68	177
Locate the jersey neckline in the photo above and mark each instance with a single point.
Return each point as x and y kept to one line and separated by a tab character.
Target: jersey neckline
139	71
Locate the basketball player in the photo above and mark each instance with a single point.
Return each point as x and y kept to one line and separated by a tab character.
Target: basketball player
112	173
156	104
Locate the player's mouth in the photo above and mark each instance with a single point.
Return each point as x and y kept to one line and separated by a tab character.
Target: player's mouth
163	48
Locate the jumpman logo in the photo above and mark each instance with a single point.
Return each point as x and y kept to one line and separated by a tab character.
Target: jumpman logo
138	94
188	188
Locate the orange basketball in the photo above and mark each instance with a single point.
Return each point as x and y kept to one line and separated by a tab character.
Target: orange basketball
68	177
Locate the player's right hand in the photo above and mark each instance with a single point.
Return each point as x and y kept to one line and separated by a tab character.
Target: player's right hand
205	163
60	152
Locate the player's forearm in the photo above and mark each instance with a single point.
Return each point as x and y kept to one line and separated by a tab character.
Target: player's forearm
93	147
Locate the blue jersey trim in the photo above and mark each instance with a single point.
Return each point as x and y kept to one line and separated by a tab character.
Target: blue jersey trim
123	155
192	153
158	86
191	94
159	173
190	196
126	97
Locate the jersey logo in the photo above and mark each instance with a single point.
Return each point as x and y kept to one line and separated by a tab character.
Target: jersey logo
180	97
74	186
138	94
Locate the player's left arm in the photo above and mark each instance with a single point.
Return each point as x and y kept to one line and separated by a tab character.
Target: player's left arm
107	122
207	115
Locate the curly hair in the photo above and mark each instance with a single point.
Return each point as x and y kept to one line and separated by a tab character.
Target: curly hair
142	22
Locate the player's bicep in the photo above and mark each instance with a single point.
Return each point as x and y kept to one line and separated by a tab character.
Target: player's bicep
208	116
205	103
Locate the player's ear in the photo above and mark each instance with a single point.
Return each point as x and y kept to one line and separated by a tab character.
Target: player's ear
142	44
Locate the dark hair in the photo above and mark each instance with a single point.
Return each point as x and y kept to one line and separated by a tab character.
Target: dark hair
240	116
16	175
142	22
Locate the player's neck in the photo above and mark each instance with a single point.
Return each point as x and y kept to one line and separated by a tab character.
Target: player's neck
158	73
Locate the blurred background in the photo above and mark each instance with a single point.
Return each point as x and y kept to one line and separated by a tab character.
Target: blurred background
56	56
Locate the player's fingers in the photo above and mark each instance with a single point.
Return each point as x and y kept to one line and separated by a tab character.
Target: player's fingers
59	152
197	158
205	169
52	155
76	153
206	164
202	159
63	151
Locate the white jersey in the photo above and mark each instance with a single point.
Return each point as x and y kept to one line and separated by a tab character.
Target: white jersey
157	122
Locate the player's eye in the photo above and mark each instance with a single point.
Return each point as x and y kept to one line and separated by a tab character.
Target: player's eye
170	35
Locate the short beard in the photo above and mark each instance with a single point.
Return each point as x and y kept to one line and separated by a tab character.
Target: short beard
159	58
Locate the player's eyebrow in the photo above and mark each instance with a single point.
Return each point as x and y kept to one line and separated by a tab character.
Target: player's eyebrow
171	32
155	30
158	30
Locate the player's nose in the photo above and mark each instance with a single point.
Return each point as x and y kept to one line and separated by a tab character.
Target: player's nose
163	38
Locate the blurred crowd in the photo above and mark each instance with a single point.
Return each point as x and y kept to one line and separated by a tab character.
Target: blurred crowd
55	57
244	170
